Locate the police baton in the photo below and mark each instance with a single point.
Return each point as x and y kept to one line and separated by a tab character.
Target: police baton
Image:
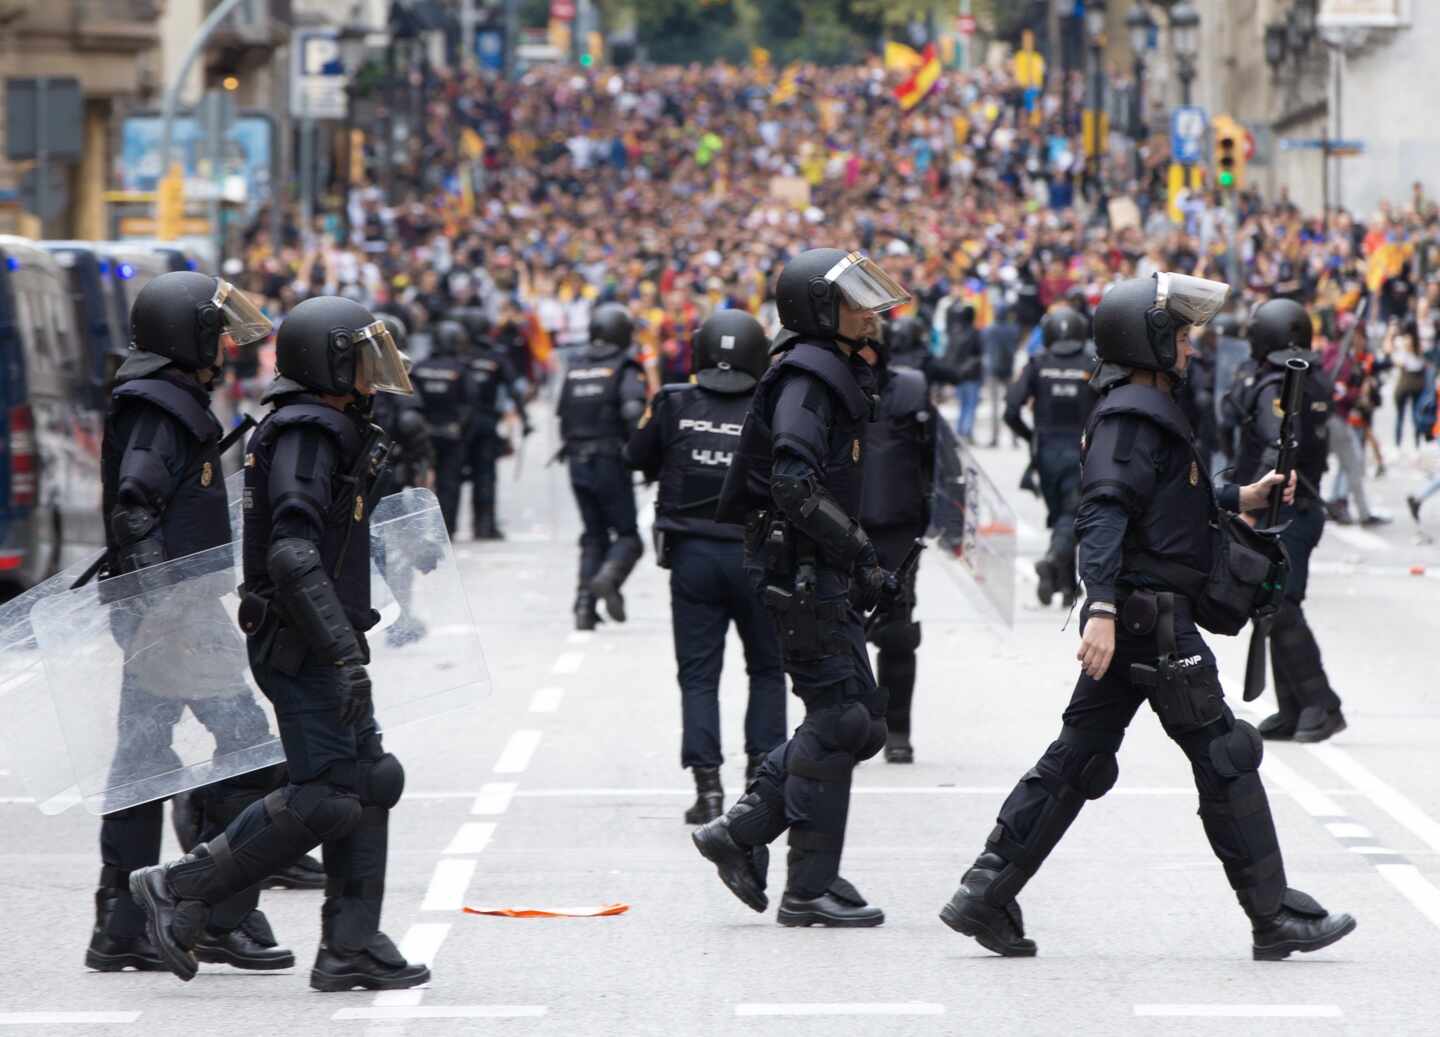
906	569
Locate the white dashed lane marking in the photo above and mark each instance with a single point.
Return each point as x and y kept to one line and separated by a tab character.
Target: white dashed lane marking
841	1008
446	891
518	750
494	798
1240	1011
568	662
472	837
546	700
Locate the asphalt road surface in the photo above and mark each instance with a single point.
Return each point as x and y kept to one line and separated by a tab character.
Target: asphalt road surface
563	789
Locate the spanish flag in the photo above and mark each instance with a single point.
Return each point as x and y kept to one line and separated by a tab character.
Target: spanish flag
921	81
900	58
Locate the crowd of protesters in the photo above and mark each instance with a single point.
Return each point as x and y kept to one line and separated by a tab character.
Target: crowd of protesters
677	190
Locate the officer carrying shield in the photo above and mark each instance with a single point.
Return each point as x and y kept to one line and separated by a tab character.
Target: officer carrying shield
795	484
412	452
1057	381
895	510
602	397
445	392
163	498
1147	525
305	605
686	441
492	382
1280	330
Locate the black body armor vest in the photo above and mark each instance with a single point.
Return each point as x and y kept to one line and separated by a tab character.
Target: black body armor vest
1063	397
899	455
589	407
1259	431
702	430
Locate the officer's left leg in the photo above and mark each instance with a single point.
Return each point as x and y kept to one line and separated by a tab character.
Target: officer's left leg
699	621
897	641
594	539
618	501
765	709
1316	713
1059	471
483	452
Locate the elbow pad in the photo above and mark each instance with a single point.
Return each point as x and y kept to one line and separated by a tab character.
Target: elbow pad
816	514
136	531
308	599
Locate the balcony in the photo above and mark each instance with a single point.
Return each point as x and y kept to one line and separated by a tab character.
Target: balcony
255	24
115	26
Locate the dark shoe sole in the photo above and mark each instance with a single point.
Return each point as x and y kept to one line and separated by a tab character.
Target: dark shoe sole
220	956
331	983
1321	733
120	962
1281	951
757	902
1045	588
984	935
614	601
800	919
702	815
899	756
183	965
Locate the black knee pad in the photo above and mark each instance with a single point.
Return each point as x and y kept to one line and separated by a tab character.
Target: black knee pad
875	740
1098	775
381	781
1238	751
851	729
327	811
902	637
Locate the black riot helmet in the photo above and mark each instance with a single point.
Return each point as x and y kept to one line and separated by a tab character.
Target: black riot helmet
181	315
332	345
1227	324
449	338
397	327
1062	324
906	339
610	323
1278	326
475	321
1136	321
731	352
813	284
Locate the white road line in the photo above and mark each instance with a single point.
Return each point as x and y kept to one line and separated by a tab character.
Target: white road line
516	756
1416	887
1311	799
1374	851
472	837
546	700
842	1008
446	891
400	998
1349	830
579	637
421	942
1241	1011
1357	538
66	1018
858	790
568	662
443	1012
1380	793
494	798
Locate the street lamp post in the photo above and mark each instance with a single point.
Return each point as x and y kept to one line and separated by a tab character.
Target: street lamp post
1095	29
1185	39
352	54
1139	23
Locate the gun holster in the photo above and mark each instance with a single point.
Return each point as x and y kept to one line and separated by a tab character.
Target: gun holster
1182	701
277	645
797	615
663	544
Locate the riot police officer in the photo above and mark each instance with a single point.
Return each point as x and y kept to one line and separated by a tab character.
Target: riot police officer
1309	709
1057	381
492	382
1145	530
163	498
412	452
448	401
686	441
602	398
895	510
305	605
795	484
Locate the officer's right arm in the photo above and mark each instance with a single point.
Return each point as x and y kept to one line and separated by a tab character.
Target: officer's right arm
1117	483
1021	391
800	424
155	457
304	463
646	450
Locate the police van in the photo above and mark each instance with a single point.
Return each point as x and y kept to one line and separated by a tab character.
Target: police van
50	422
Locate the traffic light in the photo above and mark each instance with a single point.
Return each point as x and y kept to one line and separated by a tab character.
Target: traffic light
1229	153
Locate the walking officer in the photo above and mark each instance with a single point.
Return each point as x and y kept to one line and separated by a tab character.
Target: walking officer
602	398
412	452
1057	382
795	484
1146	525
445	392
686	441
492	382
895	510
163	498
1280	330
305	605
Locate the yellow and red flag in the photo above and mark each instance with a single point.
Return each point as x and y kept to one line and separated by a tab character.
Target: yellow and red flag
900	58
921	81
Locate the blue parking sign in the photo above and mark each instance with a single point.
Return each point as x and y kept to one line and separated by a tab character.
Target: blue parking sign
1187	134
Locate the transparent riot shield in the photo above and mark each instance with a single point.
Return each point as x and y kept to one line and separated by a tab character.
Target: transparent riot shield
974	524
31	737
149	675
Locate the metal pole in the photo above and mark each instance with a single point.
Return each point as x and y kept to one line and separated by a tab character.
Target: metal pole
467	35
512	36
1139	122
42	155
1097	106
307	170
172	93
347	158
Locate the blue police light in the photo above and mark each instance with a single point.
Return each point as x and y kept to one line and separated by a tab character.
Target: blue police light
104	266
11	263
190	264
126	271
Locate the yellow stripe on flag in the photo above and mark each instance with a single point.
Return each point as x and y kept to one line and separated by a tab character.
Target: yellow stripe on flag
921	82
900	58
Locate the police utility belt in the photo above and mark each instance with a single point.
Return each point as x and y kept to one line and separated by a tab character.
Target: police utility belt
809	629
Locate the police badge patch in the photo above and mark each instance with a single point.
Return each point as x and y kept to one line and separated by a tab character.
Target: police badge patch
855	450
1194	474
207	474
1278	407
359	507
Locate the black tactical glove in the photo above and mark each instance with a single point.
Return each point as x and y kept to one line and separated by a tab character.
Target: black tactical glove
874	586
355	700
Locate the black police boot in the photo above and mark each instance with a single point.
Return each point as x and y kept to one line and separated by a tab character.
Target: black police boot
1045	588
1278	727
606	587
112	953
175	923
379	965
586	618
998	929
752	767
709	796
898	748
839	907
251	945
1316	723
1301	925
741	868
1413	503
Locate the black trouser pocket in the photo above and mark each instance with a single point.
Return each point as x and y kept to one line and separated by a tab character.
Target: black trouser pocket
1184	700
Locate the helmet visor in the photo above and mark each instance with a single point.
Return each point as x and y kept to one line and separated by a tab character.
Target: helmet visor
243	320
381	365
1191	299
864	285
